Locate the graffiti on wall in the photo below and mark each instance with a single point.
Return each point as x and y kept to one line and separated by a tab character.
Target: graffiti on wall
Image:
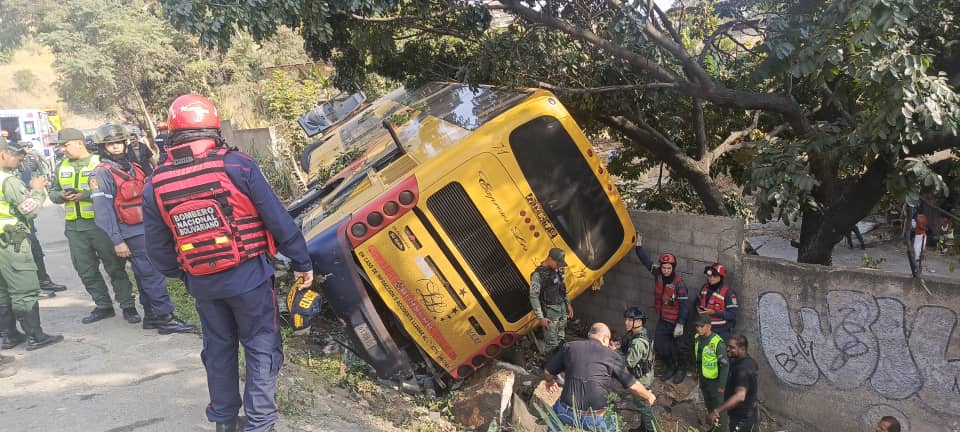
867	344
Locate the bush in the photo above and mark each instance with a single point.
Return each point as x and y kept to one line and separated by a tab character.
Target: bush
25	80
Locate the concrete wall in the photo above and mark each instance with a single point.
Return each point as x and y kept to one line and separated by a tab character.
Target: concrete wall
257	143
696	240
837	348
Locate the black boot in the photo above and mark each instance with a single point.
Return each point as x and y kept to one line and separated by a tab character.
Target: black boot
48	285
235	424
130	314
679	376
36	338
98	314
167	324
149	318
8	329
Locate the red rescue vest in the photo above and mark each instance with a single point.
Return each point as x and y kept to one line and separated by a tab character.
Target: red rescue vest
214	225
716	302
128	199
667	300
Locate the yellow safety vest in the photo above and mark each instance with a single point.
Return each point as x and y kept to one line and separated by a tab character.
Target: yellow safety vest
70	178
6	215
709	361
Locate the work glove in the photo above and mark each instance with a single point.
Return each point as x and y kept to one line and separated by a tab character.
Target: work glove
678	330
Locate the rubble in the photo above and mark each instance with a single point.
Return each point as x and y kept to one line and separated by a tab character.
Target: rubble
485	399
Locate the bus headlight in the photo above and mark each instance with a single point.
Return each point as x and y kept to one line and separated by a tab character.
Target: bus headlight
358	230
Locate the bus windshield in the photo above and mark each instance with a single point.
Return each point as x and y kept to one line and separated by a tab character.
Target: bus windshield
571	196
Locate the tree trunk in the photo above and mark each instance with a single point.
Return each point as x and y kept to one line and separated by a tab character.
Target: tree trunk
146	115
844	203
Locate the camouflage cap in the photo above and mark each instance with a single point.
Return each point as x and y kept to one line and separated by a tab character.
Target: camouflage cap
557	255
11	146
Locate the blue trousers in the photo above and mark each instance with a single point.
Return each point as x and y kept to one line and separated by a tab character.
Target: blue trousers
250	319
596	423
150	282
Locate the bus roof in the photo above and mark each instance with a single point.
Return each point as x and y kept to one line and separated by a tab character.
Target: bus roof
459	108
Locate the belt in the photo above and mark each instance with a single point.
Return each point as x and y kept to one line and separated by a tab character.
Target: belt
589	412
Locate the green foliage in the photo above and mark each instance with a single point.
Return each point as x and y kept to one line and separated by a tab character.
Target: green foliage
342	160
183	302
25	80
871	263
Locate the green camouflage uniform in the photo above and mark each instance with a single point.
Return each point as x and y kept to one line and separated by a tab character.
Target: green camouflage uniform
555	311
636	348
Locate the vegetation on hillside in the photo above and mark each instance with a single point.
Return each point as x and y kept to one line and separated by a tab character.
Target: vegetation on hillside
834	102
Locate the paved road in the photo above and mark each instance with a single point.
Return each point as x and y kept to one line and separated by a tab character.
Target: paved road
109	376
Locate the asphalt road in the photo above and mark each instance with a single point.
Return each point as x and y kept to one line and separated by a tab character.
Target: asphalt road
109	376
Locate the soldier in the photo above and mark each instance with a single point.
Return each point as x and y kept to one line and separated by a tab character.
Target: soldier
635	348
713	365
89	245
35	165
117	192
548	298
189	225
18	273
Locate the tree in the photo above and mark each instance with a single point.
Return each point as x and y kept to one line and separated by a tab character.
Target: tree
840	99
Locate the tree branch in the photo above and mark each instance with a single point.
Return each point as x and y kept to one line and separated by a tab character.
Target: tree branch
606	89
700	128
667	24
734	141
659	72
832	99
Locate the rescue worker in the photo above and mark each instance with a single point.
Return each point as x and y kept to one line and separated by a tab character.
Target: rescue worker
89	245
35	165
672	302
635	348
713	366
116	189
548	298
18	273
588	367
718	301
190	225
741	389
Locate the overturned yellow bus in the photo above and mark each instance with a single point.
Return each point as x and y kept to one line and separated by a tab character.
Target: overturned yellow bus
428	240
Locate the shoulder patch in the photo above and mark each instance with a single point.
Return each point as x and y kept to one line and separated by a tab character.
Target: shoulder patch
733	299
94	184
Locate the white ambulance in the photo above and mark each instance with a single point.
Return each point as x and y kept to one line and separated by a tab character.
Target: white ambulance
29	124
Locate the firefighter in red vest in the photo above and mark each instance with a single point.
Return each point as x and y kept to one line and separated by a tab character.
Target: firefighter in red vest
672	304
718	301
117	193
211	218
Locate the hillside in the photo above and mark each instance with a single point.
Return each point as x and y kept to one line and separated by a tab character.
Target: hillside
38	60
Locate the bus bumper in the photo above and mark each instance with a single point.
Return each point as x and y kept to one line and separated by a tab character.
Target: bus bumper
345	292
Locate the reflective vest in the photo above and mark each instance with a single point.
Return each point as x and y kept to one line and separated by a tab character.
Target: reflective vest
716	302
552	289
709	361
128	199
70	178
214	225
6	210
667	299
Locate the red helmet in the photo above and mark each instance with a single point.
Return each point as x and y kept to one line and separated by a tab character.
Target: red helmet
192	111
717	268
668	258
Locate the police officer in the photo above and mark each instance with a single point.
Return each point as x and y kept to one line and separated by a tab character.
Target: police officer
672	303
588	366
35	165
548	298
116	189
718	301
18	273
713	365
211	218
635	348
89	245
741	390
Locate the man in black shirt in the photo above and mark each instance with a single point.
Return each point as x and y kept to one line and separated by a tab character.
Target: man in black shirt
588	366
741	391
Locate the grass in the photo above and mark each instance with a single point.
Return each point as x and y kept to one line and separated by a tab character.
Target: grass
183	302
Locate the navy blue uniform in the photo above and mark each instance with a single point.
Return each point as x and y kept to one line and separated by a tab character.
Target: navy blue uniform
238	304
152	285
669	349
